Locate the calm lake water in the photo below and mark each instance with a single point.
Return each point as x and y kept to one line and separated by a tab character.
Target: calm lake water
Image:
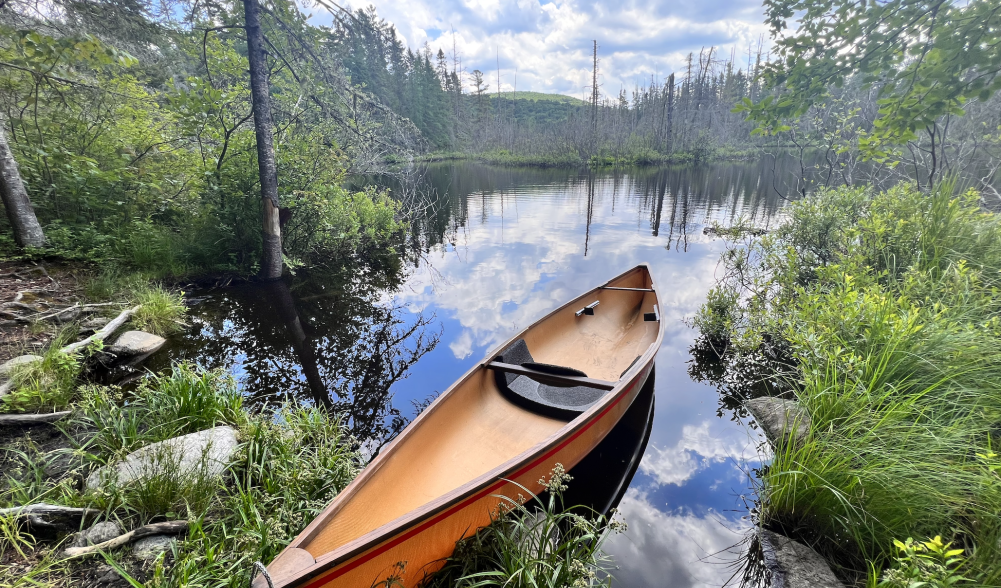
494	250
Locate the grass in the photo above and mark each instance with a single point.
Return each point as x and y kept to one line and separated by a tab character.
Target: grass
46	385
634	157
533	543
161	310
889	304
291	462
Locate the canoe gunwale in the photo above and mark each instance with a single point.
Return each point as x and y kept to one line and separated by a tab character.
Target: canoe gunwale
635	375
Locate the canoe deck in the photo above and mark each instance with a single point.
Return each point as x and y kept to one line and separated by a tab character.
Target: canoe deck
473	429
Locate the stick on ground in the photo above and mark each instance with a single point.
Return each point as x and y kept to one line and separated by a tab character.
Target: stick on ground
168	528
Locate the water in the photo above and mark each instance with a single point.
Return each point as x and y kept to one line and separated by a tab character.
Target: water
498	249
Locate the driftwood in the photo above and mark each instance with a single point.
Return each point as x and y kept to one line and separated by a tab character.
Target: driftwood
46	315
32	418
168	528
81	307
105	331
50	516
20	305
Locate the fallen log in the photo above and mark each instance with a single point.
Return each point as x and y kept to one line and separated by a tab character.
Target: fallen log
167	528
50	516
105	331
32	418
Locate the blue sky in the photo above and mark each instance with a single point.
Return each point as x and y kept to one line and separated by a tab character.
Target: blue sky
549	42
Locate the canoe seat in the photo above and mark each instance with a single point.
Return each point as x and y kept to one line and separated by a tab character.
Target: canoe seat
564	402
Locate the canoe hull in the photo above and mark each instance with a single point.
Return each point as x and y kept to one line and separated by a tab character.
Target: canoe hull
448	471
433	539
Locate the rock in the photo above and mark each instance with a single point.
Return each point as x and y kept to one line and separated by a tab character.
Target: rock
99	533
778	417
152	546
794	565
206	452
10	364
137	343
105	575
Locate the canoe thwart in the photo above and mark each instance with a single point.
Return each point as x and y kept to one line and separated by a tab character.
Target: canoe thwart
588	310
627	289
550	378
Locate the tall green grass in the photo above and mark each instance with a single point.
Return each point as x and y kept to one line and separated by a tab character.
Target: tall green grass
45	385
890	304
533	543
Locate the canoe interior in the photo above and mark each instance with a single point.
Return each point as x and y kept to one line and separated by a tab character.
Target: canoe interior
473	428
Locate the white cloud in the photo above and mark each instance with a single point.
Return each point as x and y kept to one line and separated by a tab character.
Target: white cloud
662	549
537	261
698	448
549	43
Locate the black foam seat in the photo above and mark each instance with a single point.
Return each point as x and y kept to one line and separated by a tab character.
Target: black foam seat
564	402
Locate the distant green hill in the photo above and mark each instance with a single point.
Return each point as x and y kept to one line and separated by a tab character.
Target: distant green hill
540	97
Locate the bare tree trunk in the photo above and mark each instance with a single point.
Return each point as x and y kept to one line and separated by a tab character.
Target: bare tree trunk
594	100
670	112
27	231
271	258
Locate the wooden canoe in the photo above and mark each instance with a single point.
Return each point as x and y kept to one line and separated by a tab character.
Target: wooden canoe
506	420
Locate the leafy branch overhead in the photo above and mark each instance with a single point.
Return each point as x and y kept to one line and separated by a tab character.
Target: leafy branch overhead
927	58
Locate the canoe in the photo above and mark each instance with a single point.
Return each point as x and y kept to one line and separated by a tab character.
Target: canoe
548	395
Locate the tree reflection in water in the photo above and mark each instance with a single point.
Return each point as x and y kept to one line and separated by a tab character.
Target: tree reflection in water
329	338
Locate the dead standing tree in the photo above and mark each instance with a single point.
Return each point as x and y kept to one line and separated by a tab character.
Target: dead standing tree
260	96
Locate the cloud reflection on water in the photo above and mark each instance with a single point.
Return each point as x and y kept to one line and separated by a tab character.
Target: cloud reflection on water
521	254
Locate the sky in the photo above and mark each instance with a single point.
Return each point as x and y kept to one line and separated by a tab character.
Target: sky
546	46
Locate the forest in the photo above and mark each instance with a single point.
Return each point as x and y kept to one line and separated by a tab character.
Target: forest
132	125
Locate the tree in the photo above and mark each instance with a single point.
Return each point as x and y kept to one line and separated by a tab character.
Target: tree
260	92
927	58
27	231
480	87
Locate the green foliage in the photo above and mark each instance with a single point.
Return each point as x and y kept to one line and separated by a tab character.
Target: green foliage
186	400
160	310
136	166
533	544
289	467
930	564
332	222
290	464
927	60
163	488
716	318
889	304
46	385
